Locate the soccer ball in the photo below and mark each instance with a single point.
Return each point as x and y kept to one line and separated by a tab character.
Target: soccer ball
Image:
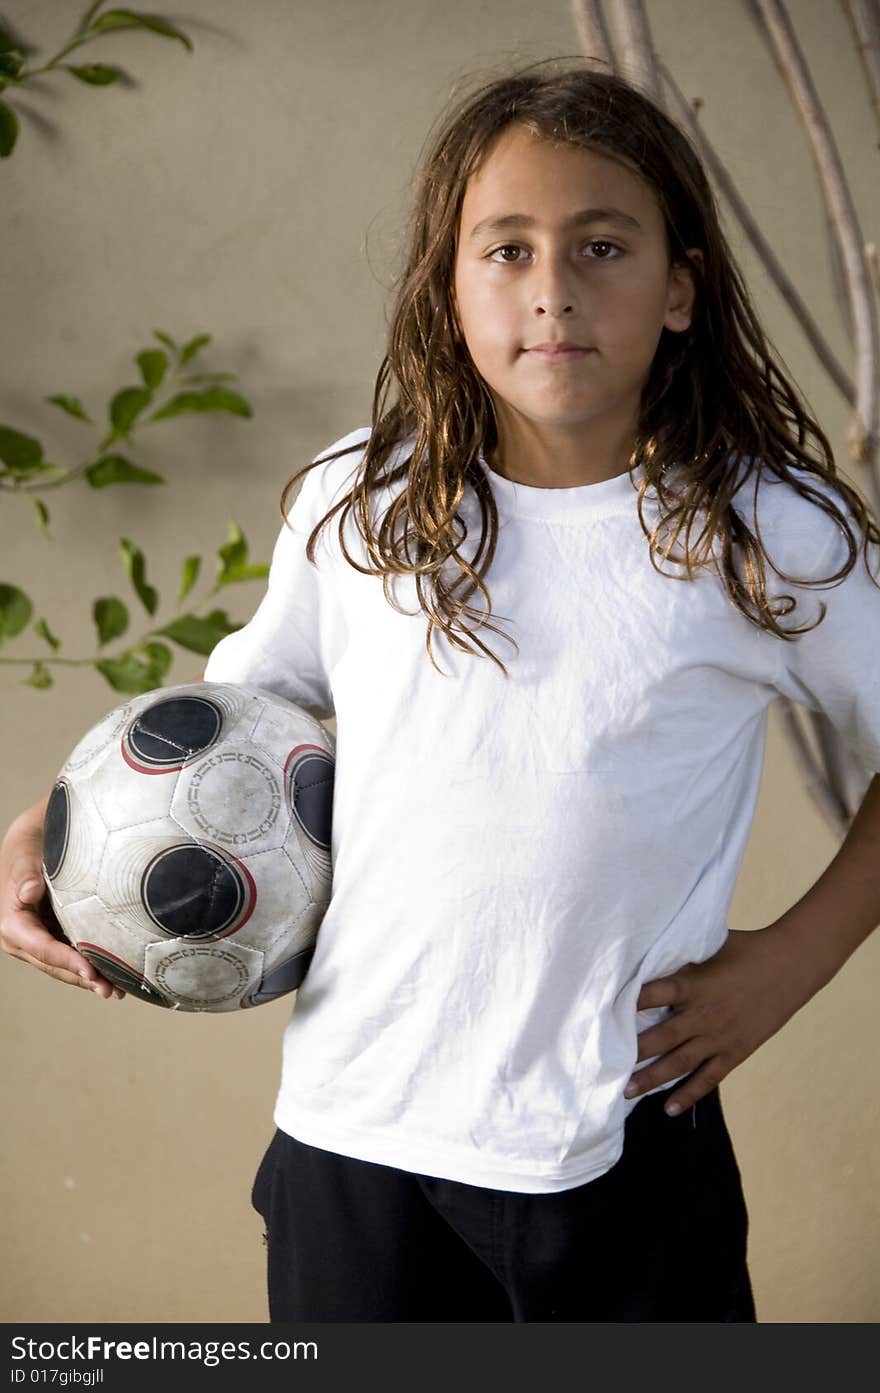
187	845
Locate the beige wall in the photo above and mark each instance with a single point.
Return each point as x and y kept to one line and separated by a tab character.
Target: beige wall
255	189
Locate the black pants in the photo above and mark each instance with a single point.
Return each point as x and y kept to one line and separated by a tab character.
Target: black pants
659	1237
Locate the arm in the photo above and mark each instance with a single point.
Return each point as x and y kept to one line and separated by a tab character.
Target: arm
726	1007
839	912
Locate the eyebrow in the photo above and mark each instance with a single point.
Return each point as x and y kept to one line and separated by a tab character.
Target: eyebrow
587	215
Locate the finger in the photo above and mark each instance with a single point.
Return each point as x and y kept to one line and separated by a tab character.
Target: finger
670	1066
662	991
42	945
666	1035
33	896
26	938
696	1087
25	935
30	888
93	983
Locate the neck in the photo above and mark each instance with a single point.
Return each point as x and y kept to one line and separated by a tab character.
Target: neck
560	458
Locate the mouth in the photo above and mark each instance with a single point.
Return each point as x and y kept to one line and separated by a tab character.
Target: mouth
560	353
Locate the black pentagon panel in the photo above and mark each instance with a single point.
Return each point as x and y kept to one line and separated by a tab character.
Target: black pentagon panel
56	827
174	730
121	975
192	892
312	796
282	979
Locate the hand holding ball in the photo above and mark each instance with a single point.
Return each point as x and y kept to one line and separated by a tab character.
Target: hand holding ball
187	845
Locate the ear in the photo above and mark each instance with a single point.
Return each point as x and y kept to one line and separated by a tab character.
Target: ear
682	293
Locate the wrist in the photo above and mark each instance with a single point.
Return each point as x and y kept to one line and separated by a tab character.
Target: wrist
813	953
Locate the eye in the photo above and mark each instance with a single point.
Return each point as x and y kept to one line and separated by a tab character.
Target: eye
596	242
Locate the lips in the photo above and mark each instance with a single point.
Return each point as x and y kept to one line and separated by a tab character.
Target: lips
560	352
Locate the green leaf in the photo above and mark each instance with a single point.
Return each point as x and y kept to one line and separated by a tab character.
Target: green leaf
234	559
219	616
191	349
213	399
42	516
111	618
133	559
40	676
191	567
115	469
95	74
8	130
7	42
15	611
72	405
199	635
234	553
167	340
126	406
138	670
11	62
134	19
153	364
20	453
244	573
42	628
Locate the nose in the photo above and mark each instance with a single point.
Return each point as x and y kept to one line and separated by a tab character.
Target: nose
552	290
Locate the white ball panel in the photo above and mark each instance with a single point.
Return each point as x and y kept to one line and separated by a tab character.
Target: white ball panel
281	920
105	734
127	797
90	921
232	796
207	977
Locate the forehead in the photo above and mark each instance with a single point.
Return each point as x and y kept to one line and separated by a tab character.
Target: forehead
530	174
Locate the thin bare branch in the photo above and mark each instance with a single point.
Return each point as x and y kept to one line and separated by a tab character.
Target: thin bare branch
793	67
593	34
637	57
846	778
864	16
826	799
813	334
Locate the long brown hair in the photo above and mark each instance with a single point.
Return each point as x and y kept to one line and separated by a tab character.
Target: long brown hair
716	405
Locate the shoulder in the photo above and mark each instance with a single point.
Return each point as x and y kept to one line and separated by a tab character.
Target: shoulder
788	518
336	465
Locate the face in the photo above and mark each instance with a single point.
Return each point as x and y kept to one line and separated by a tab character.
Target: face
605	284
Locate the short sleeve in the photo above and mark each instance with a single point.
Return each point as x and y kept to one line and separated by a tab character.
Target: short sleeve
292	640
835	668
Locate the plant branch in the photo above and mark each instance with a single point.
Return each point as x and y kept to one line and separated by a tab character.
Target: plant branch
777	273
826	799
864	16
775	23
638	59
593	33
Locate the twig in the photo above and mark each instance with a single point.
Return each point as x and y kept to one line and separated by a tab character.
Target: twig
638	59
593	33
864	16
813	334
826	799
844	221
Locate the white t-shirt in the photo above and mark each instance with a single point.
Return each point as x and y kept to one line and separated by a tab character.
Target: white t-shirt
513	858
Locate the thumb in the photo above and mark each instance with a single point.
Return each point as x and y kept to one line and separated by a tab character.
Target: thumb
30	887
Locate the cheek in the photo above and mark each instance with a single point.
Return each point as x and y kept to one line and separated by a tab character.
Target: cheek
486	320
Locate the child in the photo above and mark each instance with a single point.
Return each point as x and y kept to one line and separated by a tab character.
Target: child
533	863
